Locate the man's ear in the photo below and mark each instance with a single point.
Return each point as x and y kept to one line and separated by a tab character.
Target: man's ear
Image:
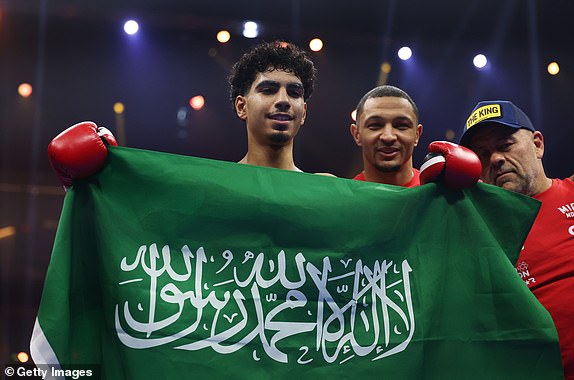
241	107
419	133
304	113
354	129
538	141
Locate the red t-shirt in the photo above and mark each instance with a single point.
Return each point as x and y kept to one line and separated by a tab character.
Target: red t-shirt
415	181
546	263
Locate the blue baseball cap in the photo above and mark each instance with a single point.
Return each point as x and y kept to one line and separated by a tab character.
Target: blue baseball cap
495	112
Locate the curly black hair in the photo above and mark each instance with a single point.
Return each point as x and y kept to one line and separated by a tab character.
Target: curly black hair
277	55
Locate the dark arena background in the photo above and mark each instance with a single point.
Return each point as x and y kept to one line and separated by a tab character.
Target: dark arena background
65	61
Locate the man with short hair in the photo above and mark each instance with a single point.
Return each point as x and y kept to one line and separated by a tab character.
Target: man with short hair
511	150
387	129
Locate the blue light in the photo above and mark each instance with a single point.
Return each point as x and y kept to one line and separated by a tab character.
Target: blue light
250	29
405	53
480	61
131	27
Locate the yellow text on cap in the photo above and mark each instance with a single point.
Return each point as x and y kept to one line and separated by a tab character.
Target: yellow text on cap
483	113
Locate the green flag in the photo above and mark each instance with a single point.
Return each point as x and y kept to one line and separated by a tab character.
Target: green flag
173	267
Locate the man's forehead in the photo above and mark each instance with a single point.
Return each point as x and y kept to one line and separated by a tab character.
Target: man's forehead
388	106
277	75
490	133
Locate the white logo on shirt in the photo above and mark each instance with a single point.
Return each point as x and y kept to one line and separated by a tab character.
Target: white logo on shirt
522	269
567	209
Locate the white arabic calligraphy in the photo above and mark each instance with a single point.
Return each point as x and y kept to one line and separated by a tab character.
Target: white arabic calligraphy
268	299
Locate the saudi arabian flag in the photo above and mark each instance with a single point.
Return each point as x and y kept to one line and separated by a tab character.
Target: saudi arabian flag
173	267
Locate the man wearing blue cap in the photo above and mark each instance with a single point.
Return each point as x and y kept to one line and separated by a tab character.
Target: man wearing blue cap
510	150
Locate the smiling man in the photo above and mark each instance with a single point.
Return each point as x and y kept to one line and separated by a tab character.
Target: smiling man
270	86
511	152
388	130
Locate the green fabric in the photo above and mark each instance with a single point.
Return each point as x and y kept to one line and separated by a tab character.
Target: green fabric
173	267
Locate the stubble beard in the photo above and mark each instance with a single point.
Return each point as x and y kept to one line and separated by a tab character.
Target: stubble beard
517	181
387	168
522	185
279	138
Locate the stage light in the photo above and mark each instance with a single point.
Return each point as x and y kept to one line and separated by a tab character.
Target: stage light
553	68
119	108
316	44
479	61
386	68
7	232
182	115
131	27
223	36
197	102
250	29
23	357
405	53
384	71
354	115
25	90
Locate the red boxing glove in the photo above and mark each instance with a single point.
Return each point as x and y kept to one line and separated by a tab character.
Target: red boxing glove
80	151
459	166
